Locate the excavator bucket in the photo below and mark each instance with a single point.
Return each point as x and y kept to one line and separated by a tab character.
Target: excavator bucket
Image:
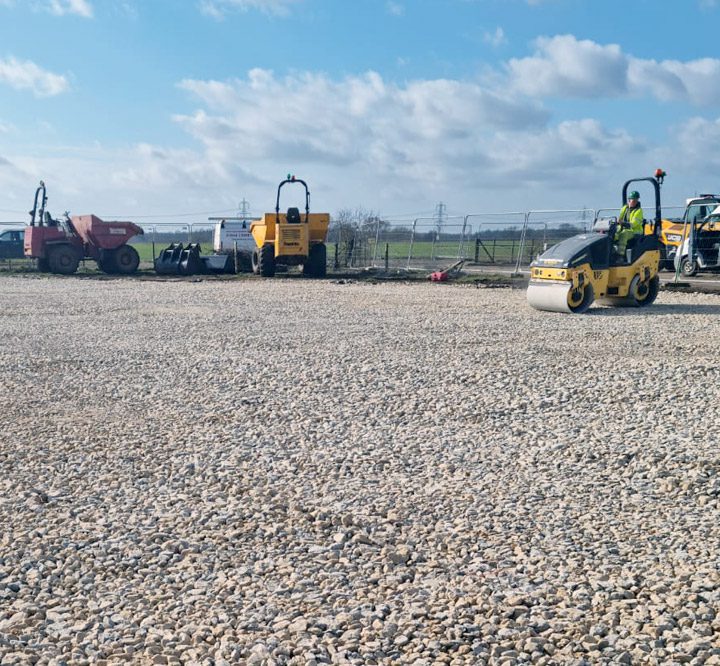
178	259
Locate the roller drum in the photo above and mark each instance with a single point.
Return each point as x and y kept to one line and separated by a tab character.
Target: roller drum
559	297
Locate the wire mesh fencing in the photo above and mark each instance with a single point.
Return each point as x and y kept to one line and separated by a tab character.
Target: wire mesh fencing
502	239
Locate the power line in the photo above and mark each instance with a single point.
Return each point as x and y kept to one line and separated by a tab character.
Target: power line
168	215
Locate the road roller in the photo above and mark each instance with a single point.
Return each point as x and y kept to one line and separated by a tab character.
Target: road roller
583	269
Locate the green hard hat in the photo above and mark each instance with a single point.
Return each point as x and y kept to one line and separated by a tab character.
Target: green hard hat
634	195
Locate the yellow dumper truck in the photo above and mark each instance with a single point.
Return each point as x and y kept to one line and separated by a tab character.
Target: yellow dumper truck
291	239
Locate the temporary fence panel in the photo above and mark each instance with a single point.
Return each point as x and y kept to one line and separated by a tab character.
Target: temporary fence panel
435	240
544	228
391	244
492	238
668	212
349	245
202	233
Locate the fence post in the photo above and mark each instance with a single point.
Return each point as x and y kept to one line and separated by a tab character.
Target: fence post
477	250
522	244
387	257
412	240
336	265
377	239
461	248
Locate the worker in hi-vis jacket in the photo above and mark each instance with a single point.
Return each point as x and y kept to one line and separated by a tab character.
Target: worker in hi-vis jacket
630	222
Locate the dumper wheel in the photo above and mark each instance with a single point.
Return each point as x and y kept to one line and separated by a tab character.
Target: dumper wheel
42	265
316	265
63	259
266	261
126	260
106	262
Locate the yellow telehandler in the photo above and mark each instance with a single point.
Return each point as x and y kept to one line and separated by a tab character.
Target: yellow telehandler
290	239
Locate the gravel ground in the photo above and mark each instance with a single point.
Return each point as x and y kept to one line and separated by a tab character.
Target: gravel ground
303	472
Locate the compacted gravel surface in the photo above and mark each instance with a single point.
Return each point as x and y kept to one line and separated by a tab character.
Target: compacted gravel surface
309	472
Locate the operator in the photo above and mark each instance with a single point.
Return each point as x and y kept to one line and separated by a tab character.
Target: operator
630	222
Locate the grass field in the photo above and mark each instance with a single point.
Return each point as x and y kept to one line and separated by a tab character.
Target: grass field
491	251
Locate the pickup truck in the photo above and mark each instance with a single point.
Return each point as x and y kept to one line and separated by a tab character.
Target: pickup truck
11	243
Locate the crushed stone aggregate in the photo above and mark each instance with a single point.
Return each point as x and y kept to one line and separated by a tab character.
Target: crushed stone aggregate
313	472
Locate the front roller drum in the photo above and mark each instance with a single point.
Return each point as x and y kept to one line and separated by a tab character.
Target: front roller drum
560	296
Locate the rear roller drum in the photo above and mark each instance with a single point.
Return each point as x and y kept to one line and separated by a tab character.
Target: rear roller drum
640	293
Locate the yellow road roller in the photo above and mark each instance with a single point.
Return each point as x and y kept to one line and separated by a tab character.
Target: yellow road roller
572	275
291	239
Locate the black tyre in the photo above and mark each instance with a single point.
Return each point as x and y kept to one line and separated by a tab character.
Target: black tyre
255	262
244	264
266	261
640	294
106	262
688	267
579	300
42	265
646	292
316	265
125	260
63	259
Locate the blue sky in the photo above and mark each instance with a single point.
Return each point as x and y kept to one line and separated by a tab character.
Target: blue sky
166	107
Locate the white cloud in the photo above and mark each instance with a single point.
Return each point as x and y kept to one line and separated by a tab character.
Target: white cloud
699	137
26	75
395	147
564	66
219	8
361	120
496	38
395	8
696	81
79	7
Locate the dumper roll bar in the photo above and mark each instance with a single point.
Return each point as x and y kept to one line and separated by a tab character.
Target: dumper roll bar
34	212
657	181
292	179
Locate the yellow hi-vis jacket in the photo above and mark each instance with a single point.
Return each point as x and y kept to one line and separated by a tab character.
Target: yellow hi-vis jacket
634	216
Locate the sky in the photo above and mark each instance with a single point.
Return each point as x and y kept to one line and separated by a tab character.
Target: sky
158	110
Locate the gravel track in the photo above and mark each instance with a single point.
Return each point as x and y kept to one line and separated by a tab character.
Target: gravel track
306	472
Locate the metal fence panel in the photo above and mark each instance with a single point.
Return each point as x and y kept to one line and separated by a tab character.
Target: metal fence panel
391	244
550	227
492	238
502	239
433	241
